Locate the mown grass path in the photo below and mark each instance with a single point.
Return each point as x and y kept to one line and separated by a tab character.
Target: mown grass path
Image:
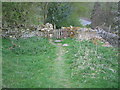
41	63
61	78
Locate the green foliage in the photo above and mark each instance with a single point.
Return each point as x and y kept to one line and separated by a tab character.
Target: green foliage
63	14
83	9
73	20
20	13
58	12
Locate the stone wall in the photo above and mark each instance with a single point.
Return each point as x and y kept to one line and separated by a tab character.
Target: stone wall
110	37
21	31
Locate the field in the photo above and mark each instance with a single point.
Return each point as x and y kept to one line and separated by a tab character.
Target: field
37	63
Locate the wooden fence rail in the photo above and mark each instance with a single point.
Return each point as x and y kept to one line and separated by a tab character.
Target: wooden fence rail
60	33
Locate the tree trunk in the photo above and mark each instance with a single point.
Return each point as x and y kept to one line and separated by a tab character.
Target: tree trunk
45	12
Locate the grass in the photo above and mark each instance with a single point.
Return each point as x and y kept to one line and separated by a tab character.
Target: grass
92	66
29	65
32	64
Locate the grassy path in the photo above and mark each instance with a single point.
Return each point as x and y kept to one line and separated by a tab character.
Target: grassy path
61	78
41	63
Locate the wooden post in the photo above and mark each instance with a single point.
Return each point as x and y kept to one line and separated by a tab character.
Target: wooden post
109	28
58	33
